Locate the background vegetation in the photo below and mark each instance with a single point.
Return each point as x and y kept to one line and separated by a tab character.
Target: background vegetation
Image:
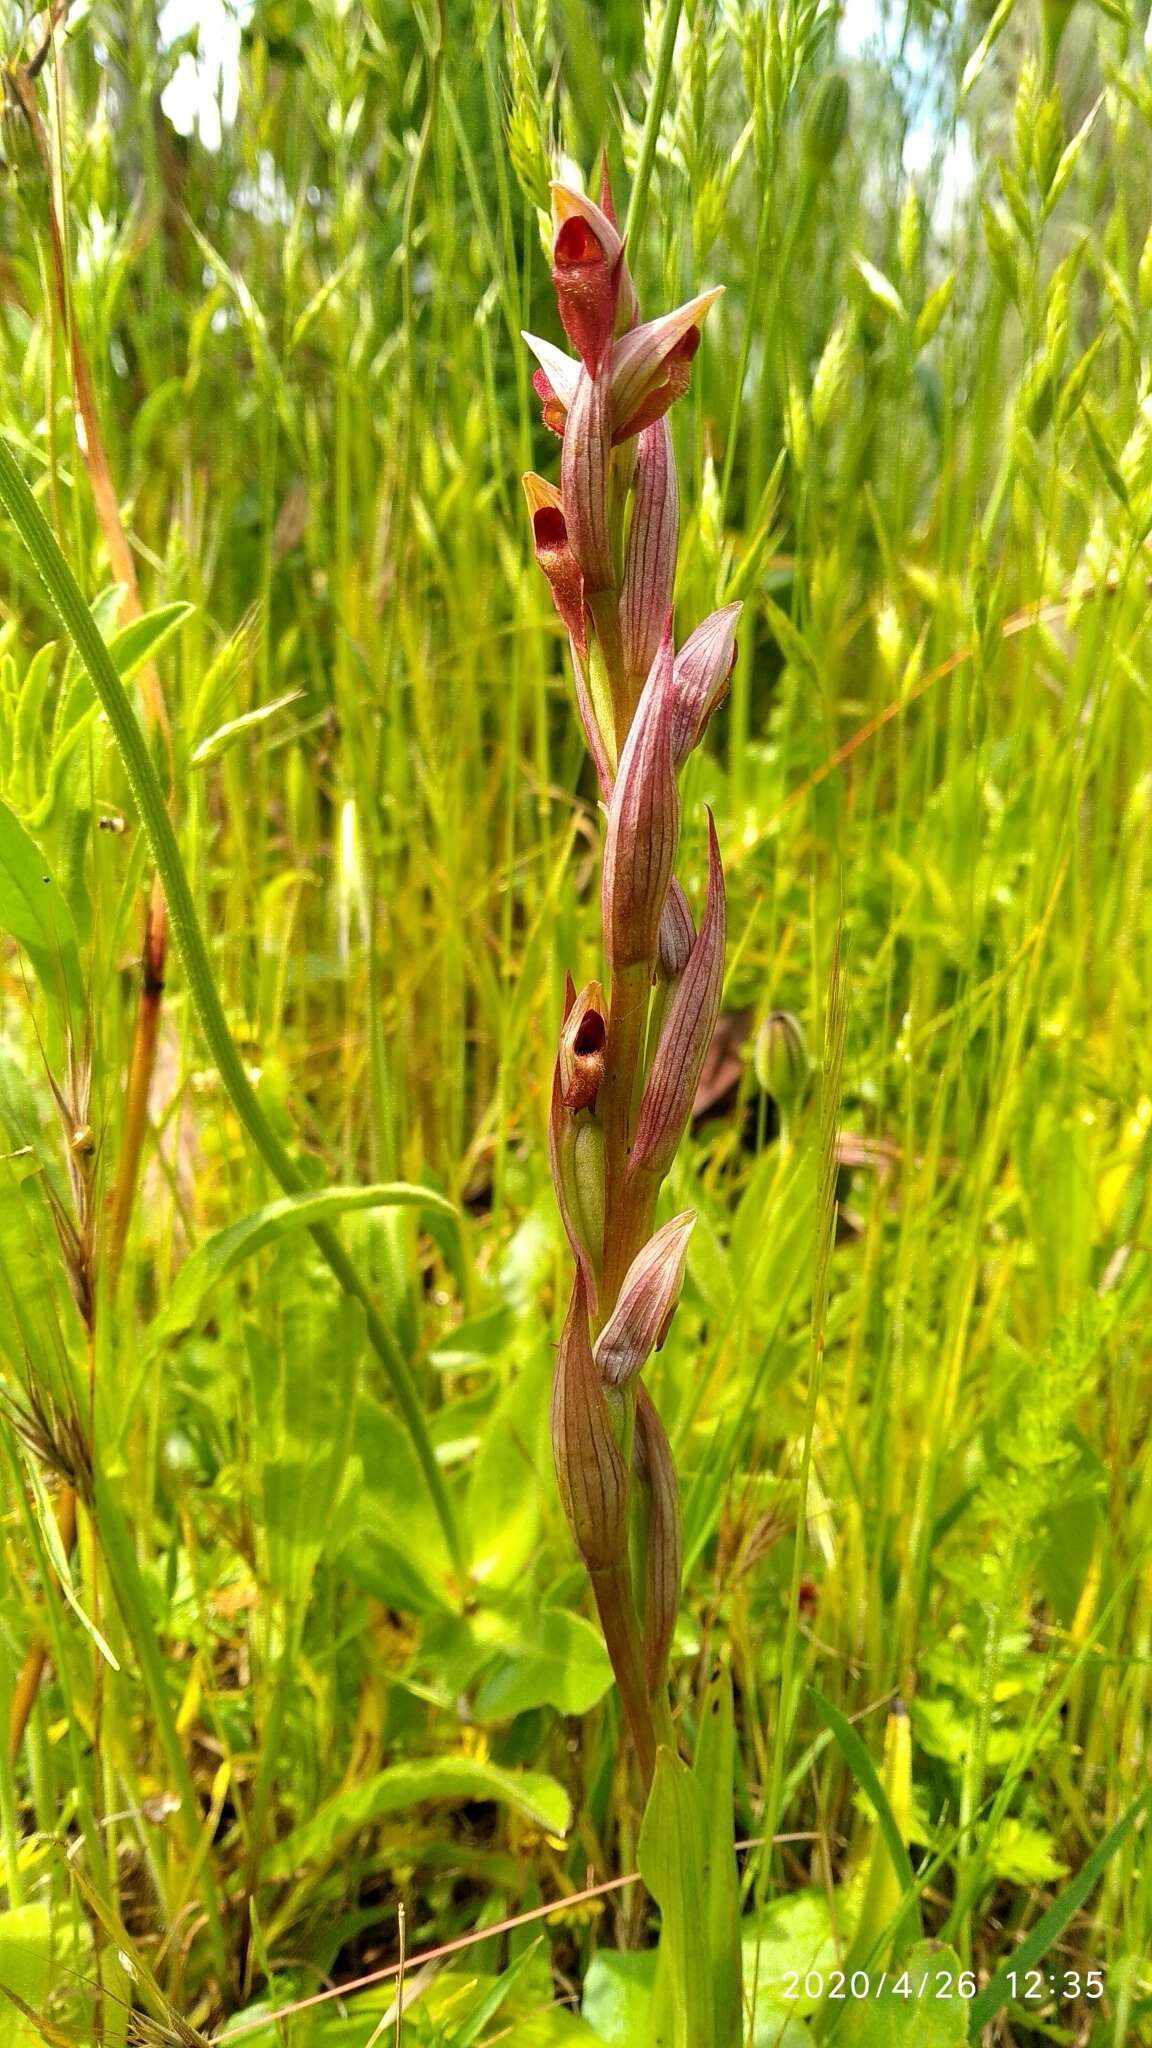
283	1732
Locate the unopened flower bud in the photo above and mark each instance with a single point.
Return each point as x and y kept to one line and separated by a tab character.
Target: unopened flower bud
582	1043
780	1058
643	825
590	1470
703	667
686	1035
677	934
584	480
646	1302
826	120
650	554
656	1471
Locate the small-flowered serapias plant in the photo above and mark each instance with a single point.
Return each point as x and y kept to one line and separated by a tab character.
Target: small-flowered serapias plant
629	1059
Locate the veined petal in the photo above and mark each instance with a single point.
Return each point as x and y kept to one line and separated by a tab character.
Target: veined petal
650	553
584	480
640	360
590	1471
703	667
688	1026
643	825
646	1303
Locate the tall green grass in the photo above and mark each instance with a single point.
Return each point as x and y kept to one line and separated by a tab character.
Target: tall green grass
275	1708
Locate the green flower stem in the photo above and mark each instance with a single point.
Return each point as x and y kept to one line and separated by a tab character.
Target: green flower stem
78	622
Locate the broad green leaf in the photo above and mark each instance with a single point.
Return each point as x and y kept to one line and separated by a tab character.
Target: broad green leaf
477	1342
533	1795
919	2007
34	912
212	1262
672	1851
397	1550
36	1952
554	1659
776	2026
617	2000
794	1935
511	1473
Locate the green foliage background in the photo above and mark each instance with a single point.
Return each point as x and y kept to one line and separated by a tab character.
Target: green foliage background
918	444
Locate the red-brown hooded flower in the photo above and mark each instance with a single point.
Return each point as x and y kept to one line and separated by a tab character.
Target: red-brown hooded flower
582	1043
590	271
650	366
555	556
